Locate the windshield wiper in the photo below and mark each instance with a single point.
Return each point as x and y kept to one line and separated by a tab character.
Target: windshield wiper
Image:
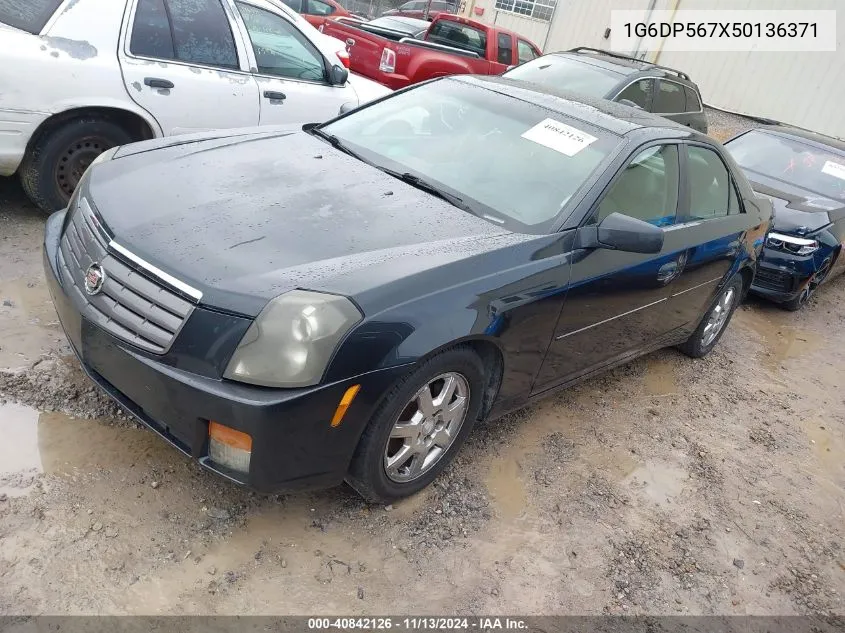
335	142
424	185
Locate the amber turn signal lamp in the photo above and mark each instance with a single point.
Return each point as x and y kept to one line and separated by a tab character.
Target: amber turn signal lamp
345	401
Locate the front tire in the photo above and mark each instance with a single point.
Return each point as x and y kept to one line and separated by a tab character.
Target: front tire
810	288
419	427
55	163
715	320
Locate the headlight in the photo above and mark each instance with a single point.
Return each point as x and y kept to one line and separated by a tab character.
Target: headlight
292	340
791	244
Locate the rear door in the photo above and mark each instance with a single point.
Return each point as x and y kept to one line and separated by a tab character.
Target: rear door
290	71
183	64
715	224
616	305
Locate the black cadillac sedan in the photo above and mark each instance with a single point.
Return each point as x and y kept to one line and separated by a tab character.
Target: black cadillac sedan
803	173
345	302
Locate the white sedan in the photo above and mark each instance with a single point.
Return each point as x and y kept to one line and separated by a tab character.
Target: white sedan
80	76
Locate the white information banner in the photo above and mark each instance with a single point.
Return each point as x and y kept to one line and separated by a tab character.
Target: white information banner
730	30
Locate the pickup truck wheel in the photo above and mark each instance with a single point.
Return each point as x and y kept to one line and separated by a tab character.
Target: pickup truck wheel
419	427
55	163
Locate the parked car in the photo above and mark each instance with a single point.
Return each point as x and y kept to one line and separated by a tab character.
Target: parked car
318	11
452	45
416	9
230	318
597	73
80	77
803	173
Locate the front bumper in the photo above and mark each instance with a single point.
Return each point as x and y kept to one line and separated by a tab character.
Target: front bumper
782	276
293	443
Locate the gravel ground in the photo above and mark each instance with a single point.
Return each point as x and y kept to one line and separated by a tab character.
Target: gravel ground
667	486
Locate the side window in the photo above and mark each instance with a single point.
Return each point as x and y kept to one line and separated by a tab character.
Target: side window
712	193
315	7
27	15
193	31
151	36
647	188
201	33
669	98
296	5
505	55
280	49
640	92
525	52
693	102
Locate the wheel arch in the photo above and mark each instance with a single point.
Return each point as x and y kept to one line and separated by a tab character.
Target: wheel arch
140	126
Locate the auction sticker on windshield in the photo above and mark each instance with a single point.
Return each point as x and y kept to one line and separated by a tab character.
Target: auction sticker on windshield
559	136
834	169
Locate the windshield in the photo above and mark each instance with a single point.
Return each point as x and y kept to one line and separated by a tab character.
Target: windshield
512	162
791	161
566	73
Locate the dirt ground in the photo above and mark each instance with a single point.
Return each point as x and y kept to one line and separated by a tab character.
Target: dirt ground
668	486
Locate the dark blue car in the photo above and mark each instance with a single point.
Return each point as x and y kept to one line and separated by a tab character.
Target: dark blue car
803	173
345	302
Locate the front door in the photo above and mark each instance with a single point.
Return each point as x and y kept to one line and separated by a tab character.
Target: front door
182	64
616	304
291	74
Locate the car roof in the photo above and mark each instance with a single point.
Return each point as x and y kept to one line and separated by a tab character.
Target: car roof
624	65
614	117
806	135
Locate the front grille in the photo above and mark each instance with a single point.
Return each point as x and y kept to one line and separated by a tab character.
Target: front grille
131	306
773	279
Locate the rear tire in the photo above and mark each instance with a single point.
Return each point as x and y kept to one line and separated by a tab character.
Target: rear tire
715	320
56	161
378	470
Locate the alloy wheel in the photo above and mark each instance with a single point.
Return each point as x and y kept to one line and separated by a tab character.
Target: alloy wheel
426	427
718	316
815	281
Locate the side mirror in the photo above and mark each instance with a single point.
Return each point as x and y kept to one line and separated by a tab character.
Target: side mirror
346	107
338	75
622	233
630	103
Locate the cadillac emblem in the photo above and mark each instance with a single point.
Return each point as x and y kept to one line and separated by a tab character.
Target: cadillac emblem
95	276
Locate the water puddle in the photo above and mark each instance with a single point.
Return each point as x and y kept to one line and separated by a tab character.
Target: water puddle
20	460
658	482
828	449
30	324
507	488
57	444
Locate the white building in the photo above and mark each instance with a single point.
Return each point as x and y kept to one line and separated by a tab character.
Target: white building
805	89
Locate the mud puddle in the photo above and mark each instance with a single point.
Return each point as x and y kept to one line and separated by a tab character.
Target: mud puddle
658	482
660	377
31	327
57	444
783	337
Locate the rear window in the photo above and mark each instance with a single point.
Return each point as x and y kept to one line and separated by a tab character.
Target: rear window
458	35
566	73
27	15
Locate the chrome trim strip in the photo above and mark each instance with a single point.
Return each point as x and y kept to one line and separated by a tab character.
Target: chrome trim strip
678	294
168	279
92	221
613	318
791	239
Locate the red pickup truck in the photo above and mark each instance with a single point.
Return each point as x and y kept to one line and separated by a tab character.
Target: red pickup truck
452	45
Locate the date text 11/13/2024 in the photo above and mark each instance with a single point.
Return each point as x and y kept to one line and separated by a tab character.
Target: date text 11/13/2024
427	623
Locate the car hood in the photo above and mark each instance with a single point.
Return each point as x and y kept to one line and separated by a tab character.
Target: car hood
797	211
244	217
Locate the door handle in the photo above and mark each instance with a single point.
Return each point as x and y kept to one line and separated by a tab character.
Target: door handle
274	96
155	82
